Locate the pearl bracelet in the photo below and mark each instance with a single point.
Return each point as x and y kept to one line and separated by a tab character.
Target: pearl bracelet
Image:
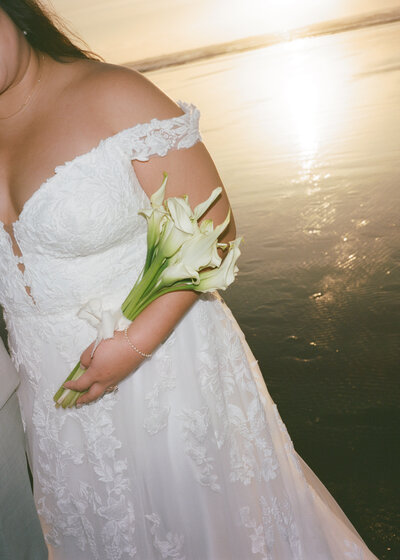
133	346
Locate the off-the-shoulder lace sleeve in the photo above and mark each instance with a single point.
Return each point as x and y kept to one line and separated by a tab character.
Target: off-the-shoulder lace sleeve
157	137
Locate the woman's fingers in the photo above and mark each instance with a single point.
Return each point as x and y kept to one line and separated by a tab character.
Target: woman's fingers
90	384
85	381
86	357
95	391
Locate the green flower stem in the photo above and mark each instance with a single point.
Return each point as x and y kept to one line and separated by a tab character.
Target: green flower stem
69	378
147	292
64	397
136	293
149	258
157	293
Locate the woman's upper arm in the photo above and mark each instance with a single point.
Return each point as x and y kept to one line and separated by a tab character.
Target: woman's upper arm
190	170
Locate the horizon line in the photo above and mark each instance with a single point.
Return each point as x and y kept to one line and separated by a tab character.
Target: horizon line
253	42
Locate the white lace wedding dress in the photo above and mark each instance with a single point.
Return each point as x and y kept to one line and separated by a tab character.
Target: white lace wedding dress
190	459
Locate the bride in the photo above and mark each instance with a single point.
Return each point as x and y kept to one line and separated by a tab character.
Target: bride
189	459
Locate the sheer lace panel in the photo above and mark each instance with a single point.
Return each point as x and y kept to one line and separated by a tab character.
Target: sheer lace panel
157	137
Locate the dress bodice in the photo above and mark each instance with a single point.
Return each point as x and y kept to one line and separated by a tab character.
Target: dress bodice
80	233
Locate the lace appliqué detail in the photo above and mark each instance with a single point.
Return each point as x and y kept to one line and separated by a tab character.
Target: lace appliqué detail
157	418
72	505
228	386
277	519
157	137
195	425
261	537
172	546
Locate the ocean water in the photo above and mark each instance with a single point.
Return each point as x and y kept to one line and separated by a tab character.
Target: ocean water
306	137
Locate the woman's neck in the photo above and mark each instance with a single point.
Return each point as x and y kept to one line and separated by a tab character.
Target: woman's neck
20	92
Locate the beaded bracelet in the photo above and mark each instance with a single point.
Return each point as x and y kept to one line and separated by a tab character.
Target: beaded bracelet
133	346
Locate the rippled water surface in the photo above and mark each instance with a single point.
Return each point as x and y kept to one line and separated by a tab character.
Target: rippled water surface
306	137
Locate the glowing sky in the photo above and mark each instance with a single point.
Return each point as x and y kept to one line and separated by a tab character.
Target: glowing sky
128	30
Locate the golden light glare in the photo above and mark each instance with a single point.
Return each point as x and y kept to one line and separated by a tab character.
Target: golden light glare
306	78
283	15
305	89
302	96
315	94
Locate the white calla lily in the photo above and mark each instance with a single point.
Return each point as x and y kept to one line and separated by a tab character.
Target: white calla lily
222	226
206	226
203	206
157	198
178	272
171	238
155	219
224	275
181	213
200	250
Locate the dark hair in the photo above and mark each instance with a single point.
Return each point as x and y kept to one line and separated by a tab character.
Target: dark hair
45	30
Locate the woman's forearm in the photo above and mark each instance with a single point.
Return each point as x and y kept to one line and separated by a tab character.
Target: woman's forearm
114	358
153	325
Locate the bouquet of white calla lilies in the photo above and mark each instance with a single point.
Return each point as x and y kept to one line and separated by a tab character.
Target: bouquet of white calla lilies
179	249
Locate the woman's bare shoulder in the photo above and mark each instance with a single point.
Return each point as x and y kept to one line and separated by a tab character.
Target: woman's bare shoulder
124	96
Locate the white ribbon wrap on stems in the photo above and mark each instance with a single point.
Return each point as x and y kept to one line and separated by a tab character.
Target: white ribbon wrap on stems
105	321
